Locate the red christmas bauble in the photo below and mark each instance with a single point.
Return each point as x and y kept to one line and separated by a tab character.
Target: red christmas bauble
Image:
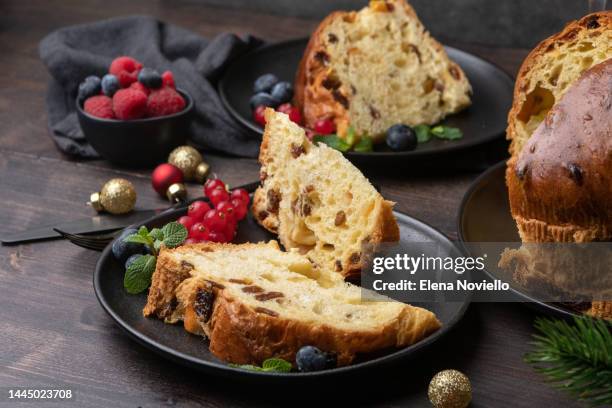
164	176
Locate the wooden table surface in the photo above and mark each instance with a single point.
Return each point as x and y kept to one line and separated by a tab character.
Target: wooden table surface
53	331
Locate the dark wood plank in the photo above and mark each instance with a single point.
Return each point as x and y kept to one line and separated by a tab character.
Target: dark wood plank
53	331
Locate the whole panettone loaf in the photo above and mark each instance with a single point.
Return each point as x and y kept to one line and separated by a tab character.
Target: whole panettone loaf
560	185
254	302
551	68
560	189
375	68
317	201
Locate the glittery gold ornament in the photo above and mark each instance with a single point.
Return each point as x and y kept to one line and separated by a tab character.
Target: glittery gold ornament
117	196
187	159
202	172
450	389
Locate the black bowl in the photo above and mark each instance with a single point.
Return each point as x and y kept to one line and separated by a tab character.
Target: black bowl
138	142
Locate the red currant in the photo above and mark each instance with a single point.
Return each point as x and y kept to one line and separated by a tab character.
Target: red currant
324	127
212	184
190	241
240	209
186	221
215	221
198	231
226	208
258	115
241	194
230	230
218	196
294	113
197	209
215	236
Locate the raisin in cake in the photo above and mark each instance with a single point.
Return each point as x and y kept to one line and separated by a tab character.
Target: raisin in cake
316	200
375	68
254	301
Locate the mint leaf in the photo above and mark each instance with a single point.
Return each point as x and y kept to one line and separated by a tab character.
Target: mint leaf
138	239
156	233
174	234
423	133
157	245
277	365
333	141
351	137
143	231
138	276
364	145
447	132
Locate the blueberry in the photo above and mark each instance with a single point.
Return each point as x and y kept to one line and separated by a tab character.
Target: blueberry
310	358
264	99
150	78
401	137
282	92
110	84
264	83
131	260
89	87
122	250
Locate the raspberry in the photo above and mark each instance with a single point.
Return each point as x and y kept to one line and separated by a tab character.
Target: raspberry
164	101
137	86
100	106
168	79
129	104
125	69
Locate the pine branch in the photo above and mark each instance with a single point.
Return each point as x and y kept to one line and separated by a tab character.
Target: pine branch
575	358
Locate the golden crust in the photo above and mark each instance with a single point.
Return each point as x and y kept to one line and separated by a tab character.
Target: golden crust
241	334
521	85
560	185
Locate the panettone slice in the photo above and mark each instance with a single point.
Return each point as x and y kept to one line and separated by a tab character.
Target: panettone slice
375	68
254	302
317	201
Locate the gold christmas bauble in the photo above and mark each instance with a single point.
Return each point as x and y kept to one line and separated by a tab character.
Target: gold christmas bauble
202	172
117	196
187	159
450	389
176	193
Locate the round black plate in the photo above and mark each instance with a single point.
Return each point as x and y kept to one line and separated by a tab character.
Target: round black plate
484	216
483	121
173	342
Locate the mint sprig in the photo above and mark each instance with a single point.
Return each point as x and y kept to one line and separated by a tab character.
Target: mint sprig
277	365
446	132
365	144
333	141
173	234
138	276
423	133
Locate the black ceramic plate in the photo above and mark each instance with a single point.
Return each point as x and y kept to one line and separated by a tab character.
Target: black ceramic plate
483	121
173	342
484	216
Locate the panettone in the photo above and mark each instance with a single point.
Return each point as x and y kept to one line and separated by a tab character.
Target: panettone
375	68
254	302
317	201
